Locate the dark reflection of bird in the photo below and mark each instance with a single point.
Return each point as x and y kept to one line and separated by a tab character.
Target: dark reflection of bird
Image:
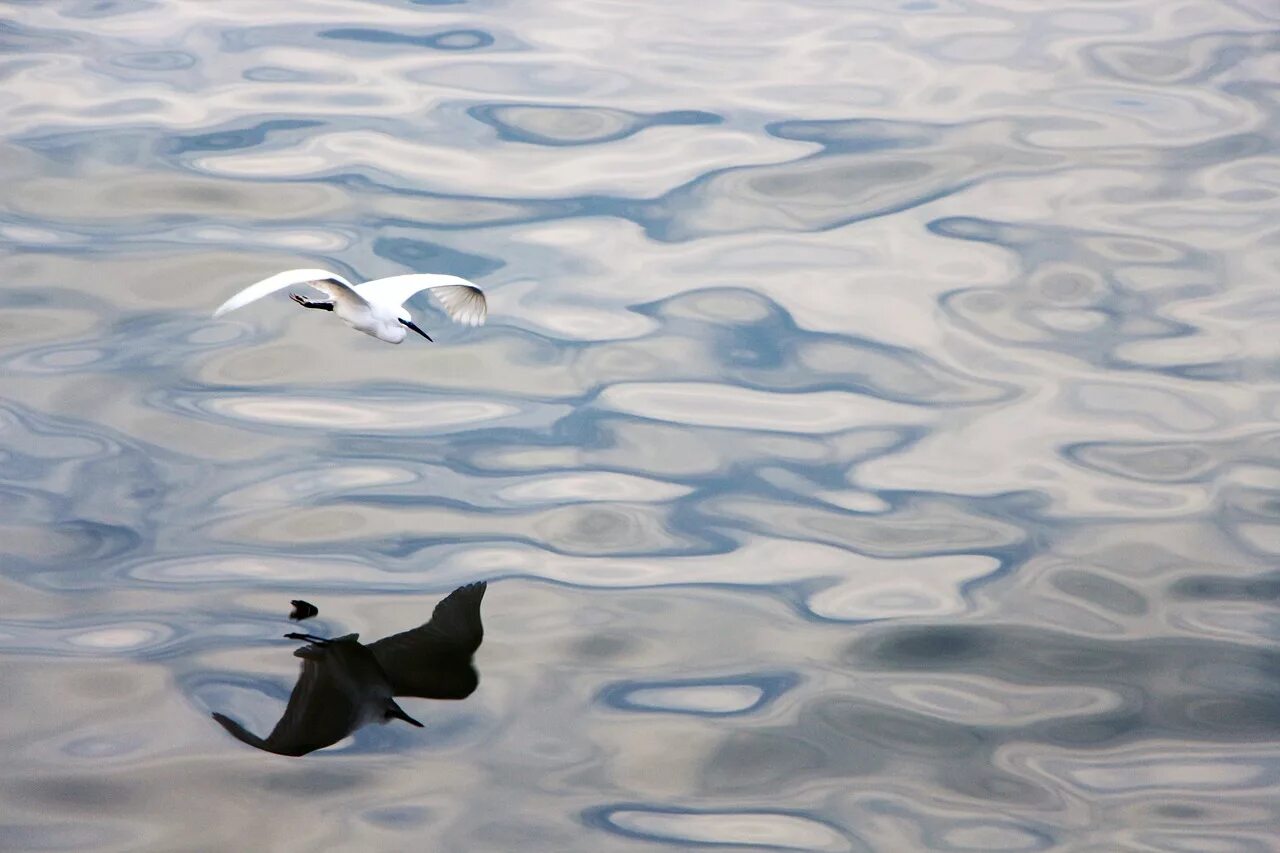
345	684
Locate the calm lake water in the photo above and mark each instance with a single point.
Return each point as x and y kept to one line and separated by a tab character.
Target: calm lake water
873	445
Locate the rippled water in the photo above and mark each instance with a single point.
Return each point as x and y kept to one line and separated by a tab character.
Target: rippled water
873	445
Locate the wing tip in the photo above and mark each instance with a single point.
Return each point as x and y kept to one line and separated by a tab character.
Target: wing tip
471	592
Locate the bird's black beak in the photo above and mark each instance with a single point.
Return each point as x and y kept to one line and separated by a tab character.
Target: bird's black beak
409	324
395	712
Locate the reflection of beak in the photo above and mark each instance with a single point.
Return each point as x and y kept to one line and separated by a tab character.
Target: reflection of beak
409	323
395	712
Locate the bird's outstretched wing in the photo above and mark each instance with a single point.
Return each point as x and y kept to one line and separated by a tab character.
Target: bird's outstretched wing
461	300
433	661
332	285
325	705
319	714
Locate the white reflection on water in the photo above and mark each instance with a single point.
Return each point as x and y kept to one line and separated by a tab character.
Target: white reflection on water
772	831
724	406
717	699
360	414
873	446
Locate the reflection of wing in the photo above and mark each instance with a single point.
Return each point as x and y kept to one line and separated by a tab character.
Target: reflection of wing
434	660
334	286
322	709
461	300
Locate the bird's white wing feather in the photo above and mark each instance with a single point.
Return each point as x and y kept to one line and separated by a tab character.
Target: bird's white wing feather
464	303
334	286
461	300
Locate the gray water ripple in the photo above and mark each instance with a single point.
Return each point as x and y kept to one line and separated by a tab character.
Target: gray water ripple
58	835
827	191
443	40
1196	59
722	696
886	740
1262	589
237	138
550	124
760	830
1161	462
26	40
1081	306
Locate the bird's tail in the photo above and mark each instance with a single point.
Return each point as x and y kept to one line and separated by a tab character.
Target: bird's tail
239	732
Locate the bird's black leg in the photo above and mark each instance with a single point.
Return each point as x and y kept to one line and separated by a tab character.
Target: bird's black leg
307	638
307	303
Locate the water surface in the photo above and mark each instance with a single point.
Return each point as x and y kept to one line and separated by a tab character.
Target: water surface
873	444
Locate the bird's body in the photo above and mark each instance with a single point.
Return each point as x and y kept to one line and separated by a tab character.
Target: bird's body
374	307
345	684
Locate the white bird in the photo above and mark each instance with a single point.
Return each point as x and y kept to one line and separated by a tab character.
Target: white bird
375	307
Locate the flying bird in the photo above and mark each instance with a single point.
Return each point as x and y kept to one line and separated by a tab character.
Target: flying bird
375	307
345	684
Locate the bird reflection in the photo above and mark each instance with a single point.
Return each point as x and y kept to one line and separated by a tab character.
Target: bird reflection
345	684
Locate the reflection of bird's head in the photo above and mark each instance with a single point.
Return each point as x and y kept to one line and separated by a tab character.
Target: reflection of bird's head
302	610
